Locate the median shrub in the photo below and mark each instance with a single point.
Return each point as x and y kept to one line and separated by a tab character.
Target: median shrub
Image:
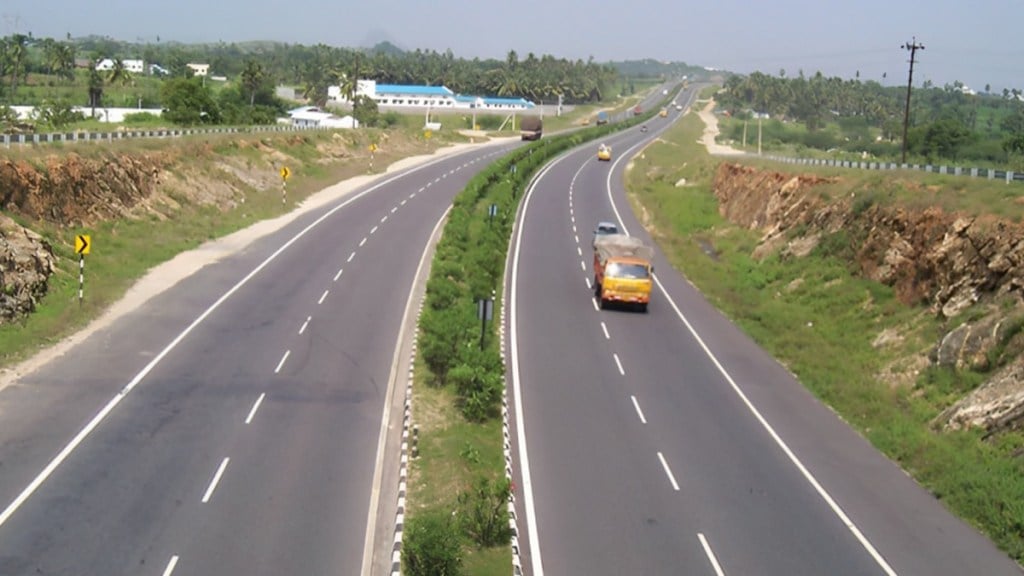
483	512
432	545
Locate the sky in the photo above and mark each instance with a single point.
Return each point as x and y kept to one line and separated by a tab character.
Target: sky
976	42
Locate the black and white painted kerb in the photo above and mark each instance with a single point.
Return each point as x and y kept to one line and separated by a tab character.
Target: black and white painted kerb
517	565
403	470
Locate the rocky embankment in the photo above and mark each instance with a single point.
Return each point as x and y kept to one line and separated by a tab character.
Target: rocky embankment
950	262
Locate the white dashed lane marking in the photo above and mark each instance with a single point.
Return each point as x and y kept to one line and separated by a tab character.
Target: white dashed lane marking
323	297
281	363
668	472
619	364
639	412
255	407
170	566
216	480
338	275
304	324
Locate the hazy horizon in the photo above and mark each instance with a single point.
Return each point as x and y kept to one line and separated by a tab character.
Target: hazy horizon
967	42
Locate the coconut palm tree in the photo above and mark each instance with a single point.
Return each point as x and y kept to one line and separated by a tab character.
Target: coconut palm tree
253	76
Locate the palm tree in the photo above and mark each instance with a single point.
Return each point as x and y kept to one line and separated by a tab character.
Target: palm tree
95	89
253	76
17	46
119	74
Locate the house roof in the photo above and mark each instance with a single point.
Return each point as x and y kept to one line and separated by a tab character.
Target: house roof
405	89
512	101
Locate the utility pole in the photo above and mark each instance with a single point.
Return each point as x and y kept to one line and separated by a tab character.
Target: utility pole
913	47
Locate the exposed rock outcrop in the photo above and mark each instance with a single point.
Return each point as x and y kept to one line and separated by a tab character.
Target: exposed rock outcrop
26	263
948	261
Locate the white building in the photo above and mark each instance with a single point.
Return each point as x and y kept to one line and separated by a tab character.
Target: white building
199	69
407	96
313	117
133	66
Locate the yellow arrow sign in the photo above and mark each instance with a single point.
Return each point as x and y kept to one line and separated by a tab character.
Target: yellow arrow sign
285	172
82	244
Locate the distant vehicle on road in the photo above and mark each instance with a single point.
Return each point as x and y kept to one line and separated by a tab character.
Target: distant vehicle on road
638	110
604	152
531	127
602	117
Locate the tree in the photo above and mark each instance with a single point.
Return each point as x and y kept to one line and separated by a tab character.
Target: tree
17	51
253	77
95	89
187	102
119	74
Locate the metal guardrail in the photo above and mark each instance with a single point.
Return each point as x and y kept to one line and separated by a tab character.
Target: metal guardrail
988	173
97	137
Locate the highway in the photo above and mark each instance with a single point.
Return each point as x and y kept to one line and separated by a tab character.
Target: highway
668	442
230	424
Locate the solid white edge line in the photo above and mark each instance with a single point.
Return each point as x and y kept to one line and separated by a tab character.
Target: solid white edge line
378	471
170	566
255	407
604	327
618	363
710	554
639	412
103	412
305	324
668	472
281	363
216	480
323	297
836	509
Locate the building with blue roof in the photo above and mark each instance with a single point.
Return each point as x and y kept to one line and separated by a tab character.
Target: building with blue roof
413	96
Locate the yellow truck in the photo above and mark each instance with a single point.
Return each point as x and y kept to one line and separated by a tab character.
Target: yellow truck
622	270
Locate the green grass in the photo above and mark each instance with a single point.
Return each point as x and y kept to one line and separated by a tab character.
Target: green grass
452	453
816	317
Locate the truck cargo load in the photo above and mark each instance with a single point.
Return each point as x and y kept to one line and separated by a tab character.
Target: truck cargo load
622	270
531	127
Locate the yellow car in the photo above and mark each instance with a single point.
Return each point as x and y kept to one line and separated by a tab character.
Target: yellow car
663	113
604	152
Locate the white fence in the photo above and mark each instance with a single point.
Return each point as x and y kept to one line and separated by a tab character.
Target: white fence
987	173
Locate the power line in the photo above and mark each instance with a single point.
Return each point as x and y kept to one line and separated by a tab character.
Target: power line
913	47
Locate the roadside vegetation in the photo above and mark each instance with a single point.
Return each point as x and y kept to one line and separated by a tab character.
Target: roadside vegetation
820	320
824	117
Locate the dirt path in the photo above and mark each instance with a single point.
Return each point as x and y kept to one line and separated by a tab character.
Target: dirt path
169	273
711	132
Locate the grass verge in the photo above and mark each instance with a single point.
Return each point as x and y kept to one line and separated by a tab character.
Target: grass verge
821	320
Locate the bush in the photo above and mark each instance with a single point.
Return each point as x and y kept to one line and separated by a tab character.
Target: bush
432	546
141	118
483	513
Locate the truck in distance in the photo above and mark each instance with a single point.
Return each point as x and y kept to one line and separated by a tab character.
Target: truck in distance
531	127
602	118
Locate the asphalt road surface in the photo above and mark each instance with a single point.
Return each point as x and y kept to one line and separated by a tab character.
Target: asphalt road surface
668	442
229	425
